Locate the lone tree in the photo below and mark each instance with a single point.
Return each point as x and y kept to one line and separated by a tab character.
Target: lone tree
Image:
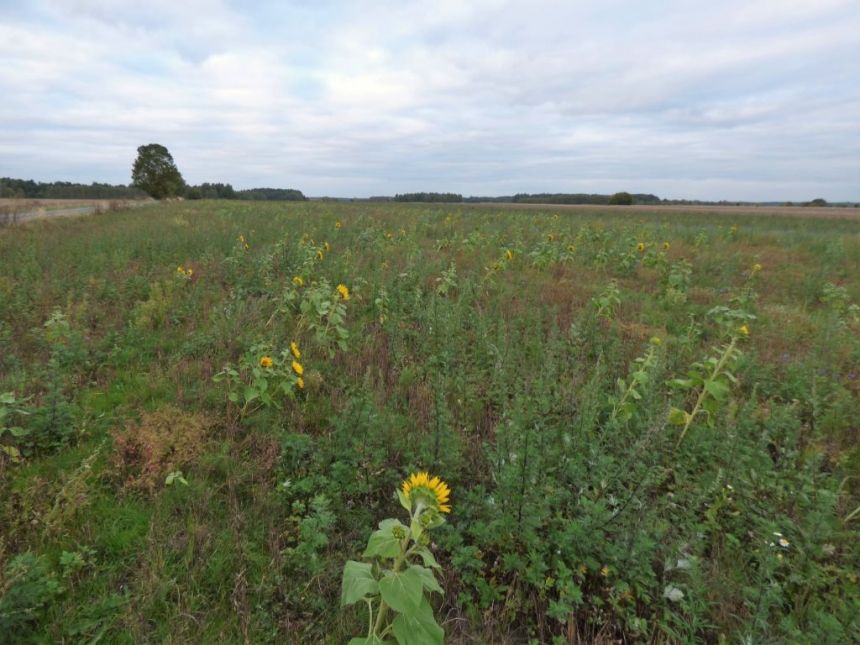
155	173
621	199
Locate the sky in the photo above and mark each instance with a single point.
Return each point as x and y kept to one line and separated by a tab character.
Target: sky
732	99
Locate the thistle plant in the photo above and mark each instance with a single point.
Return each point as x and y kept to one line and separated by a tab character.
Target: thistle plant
392	580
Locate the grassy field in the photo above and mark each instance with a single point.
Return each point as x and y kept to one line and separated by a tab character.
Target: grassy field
648	421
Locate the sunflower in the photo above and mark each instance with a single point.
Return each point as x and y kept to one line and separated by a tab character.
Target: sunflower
298	280
744	331
294	348
300	383
641	247
297	368
337	224
665	246
428	489
320	255
756	267
509	254
327	246
343	290
266	361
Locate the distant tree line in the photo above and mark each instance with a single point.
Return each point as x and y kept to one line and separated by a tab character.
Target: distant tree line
30	189
622	198
271	194
428	197
226	191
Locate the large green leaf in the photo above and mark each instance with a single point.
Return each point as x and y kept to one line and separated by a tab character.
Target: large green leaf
358	582
402	590
418	627
428	580
382	543
427	556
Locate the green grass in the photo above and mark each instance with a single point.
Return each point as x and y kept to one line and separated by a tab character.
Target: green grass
495	372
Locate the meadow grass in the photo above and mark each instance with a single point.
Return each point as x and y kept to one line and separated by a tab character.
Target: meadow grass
706	491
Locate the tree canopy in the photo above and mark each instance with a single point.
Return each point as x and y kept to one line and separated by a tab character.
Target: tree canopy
155	173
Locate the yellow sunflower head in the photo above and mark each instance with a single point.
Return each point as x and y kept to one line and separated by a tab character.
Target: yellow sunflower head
509	254
297	368
294	348
431	491
320	255
338	225
266	362
641	247
343	290
300	383
666	246
298	280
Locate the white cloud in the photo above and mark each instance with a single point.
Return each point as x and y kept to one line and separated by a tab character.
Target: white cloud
735	100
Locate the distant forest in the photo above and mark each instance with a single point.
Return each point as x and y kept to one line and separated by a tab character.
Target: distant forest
30	189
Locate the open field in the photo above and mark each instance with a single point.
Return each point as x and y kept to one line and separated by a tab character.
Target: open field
648	421
19	210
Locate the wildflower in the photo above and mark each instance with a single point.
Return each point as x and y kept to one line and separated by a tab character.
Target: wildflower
300	383
343	291
551	237
266	361
605	571
297	368
294	348
641	247
665	246
571	248
744	330
423	488
179	269
582	569
655	340
188	272
756	267
784	543
509	255
320	255
298	281
327	246
338	225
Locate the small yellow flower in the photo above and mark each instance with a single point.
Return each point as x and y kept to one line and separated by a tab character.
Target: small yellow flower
298	281
320	255
338	225
297	368
756	267
343	291
300	383
430	489
509	254
294	348
582	569
179	269
551	237
655	340
744	330
266	361
605	571
665	246
641	247
242	239
571	248
327	246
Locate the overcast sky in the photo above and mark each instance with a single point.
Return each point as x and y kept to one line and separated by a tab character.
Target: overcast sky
734	99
